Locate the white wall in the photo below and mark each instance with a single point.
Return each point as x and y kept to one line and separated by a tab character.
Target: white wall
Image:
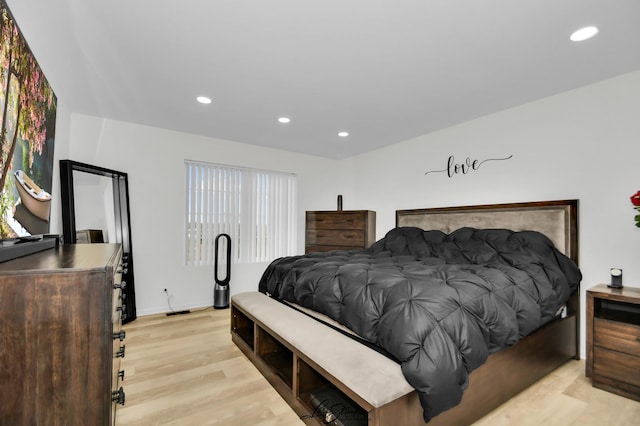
583	144
154	161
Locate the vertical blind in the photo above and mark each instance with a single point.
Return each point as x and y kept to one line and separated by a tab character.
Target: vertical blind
256	208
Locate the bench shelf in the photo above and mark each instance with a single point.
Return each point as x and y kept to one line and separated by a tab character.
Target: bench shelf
309	392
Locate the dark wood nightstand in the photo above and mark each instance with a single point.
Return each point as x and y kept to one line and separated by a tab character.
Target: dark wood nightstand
613	339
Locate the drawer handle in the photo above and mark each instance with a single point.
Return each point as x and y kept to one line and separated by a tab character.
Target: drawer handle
118	396
120	353
121	308
120	286
121	374
119	335
637	339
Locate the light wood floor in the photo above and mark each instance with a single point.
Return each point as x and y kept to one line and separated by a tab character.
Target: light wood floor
184	370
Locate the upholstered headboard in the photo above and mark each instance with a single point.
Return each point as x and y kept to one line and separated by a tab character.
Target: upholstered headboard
558	220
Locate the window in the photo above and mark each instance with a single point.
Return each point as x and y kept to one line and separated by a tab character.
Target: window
256	208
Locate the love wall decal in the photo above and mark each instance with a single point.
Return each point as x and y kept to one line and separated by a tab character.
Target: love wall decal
465	167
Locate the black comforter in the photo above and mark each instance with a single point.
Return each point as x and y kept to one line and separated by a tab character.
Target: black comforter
439	303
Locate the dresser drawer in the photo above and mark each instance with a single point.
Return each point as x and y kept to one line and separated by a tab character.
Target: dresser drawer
117	312
617	336
616	365
334	220
342	238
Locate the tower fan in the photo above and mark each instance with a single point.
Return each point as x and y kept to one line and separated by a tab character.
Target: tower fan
221	288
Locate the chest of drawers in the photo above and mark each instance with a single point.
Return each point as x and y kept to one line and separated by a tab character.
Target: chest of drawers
60	337
613	340
339	230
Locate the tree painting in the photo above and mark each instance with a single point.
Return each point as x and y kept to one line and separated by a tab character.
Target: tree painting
27	127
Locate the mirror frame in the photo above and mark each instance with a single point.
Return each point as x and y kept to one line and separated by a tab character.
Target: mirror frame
121	214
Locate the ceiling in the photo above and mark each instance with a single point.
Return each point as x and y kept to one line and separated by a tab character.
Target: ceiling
384	71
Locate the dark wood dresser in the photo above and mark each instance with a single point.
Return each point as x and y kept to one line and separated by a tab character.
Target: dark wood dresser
613	339
60	336
339	230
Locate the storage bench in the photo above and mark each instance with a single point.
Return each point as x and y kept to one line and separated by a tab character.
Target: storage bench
321	373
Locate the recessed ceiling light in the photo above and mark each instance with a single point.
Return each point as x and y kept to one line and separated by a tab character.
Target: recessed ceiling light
284	120
203	100
343	134
584	34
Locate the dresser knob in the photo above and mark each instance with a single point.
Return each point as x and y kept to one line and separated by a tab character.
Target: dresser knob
118	396
120	353
119	335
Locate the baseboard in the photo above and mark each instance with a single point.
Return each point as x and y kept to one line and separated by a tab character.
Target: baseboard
164	311
178	312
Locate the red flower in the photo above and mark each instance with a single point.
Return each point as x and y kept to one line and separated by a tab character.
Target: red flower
635	199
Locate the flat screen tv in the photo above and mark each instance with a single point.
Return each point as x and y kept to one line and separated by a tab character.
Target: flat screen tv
27	130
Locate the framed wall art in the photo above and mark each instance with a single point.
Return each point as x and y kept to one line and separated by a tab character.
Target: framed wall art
27	131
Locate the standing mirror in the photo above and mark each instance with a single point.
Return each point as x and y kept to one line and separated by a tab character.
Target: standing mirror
95	209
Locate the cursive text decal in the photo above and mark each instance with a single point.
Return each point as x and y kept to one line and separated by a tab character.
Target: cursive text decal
465	167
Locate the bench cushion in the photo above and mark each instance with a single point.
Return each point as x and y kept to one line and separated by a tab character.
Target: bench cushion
369	374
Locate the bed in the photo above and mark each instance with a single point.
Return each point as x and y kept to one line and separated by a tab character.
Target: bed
474	255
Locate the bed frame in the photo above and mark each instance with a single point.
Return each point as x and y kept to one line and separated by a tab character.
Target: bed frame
505	374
